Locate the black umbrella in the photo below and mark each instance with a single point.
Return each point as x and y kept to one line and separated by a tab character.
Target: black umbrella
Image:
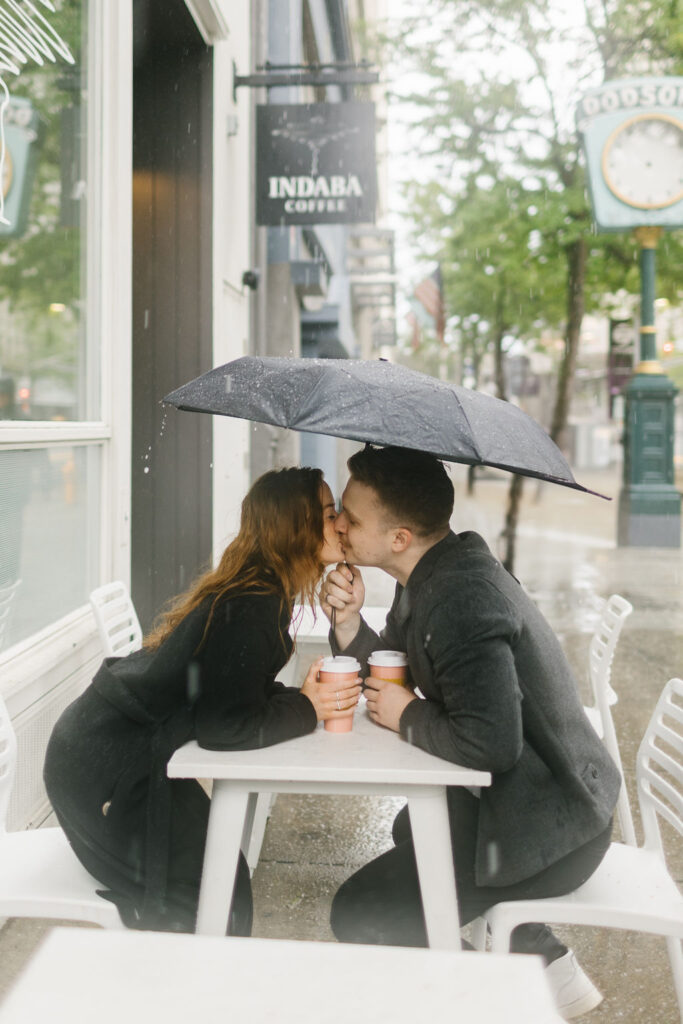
382	403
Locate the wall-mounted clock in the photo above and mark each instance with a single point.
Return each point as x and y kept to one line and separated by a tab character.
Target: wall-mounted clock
642	161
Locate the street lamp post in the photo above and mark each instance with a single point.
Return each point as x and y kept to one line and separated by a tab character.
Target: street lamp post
649	505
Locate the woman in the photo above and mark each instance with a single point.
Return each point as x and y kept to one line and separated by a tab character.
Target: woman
207	672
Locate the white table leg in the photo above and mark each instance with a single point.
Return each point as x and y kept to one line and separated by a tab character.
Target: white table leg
251	844
432	842
229	803
249	820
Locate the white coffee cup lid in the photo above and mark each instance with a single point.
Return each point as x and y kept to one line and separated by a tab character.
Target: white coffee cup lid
387	659
340	663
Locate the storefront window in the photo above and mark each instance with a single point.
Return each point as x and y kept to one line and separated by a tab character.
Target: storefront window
50	453
49	526
47	370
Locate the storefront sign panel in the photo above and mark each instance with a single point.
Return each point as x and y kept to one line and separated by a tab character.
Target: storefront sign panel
316	163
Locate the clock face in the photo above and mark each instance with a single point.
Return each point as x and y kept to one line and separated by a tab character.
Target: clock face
642	161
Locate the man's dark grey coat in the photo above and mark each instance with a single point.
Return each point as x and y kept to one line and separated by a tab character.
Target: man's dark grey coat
500	696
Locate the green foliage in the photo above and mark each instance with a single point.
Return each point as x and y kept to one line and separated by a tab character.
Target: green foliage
491	87
43	266
497	283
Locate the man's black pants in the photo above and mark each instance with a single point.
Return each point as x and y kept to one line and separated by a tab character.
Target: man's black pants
380	903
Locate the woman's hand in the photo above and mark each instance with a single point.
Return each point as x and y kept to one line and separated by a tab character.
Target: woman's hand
330	700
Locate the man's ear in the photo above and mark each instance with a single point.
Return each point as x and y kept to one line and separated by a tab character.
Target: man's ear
402	539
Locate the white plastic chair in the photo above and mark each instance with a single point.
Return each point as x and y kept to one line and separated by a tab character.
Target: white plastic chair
40	875
600	657
117	621
632	887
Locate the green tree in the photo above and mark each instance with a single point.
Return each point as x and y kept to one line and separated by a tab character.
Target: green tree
496	286
493	88
44	265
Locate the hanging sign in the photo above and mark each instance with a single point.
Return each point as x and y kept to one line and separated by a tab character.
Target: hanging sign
315	163
21	138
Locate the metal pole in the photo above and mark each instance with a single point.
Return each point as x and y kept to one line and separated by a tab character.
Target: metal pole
648	238
649	513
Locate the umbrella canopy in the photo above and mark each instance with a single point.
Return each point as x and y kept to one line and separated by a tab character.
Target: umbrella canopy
381	403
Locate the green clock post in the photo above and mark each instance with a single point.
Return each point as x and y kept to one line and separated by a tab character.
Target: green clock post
649	504
632	132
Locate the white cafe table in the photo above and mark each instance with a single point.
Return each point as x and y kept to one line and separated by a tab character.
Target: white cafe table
81	975
367	760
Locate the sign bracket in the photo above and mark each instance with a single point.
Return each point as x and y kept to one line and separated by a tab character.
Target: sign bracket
339	73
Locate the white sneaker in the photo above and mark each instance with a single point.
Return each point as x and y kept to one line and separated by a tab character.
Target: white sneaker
573	990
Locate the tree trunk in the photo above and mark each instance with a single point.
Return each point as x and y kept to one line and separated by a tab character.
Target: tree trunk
509	531
511	518
499	334
498	364
500	391
576	275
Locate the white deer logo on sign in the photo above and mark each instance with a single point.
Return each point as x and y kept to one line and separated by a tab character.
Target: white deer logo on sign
25	34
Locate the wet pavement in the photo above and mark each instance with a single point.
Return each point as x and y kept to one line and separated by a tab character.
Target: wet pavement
568	561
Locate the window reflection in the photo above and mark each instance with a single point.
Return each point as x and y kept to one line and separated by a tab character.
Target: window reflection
49	517
44	371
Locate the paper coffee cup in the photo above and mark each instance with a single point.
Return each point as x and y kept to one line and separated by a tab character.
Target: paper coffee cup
391	665
339	669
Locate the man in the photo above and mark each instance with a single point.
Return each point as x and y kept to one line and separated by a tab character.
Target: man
496	693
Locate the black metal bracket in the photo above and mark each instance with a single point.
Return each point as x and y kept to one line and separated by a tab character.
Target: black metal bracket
306	74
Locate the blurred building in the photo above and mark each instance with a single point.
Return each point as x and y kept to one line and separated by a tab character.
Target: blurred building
132	263
325	290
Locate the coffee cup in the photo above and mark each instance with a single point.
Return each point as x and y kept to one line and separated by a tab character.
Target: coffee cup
391	665
341	670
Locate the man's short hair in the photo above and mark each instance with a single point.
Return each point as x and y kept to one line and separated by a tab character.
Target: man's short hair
413	487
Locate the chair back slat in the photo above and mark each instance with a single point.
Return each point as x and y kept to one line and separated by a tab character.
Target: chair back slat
122	642
8	763
117	621
665	799
603	644
600	657
659	766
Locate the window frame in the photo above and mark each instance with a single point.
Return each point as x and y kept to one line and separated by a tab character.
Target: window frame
108	325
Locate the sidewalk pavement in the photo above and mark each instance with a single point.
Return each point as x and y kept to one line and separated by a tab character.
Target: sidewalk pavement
568	561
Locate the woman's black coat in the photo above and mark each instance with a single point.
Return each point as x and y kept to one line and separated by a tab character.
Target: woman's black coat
212	679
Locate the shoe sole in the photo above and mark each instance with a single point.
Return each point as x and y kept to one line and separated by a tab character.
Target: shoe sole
584	1004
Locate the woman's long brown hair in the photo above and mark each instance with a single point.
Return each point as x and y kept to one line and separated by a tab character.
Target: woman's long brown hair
277	549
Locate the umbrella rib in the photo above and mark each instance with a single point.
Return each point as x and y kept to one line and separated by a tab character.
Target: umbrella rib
306	399
469	425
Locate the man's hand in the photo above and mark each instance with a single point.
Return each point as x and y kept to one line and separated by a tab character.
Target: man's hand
386	701
344	591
